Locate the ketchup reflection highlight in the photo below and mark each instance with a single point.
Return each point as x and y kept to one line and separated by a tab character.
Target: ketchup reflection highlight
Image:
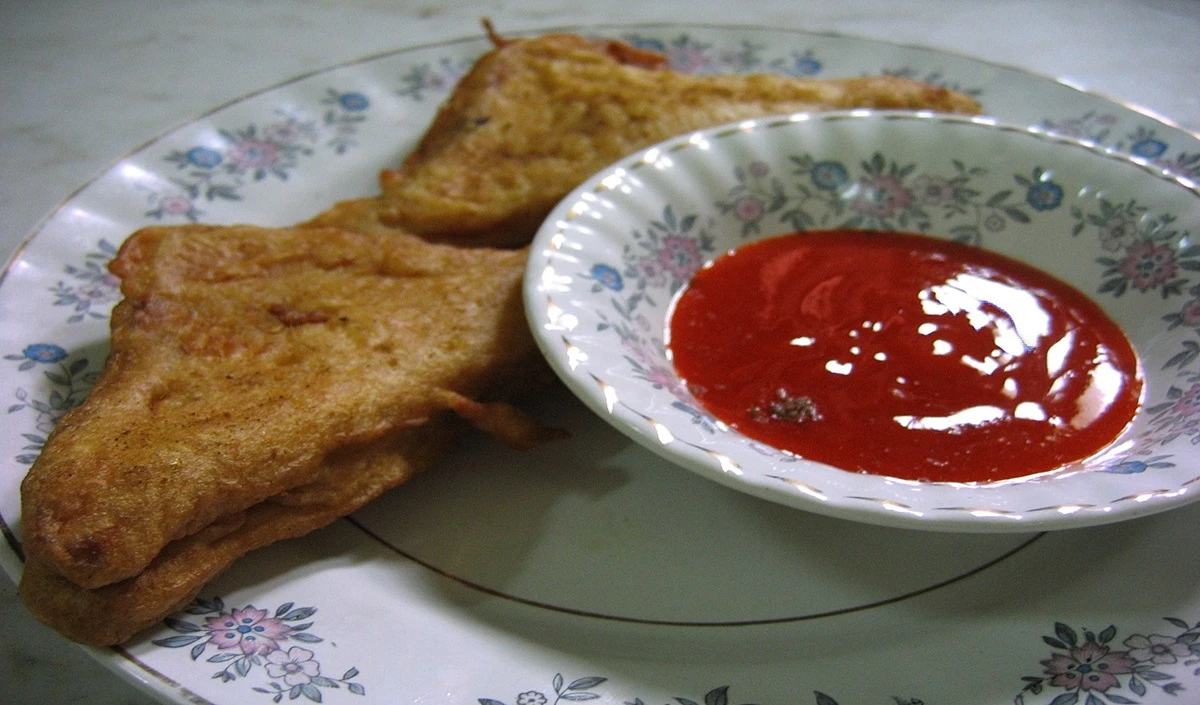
902	355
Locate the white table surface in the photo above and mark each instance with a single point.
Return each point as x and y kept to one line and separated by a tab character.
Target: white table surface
85	82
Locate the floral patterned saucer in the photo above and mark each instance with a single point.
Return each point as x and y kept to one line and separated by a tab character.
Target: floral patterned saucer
572	573
613	255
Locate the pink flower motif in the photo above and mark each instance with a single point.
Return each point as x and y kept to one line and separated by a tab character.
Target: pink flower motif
1189	403
932	190
649	357
1190	315
98	291
881	197
1119	232
47	420
651	272
1146	265
175	205
660	376
688	59
296	667
759	169
750	209
1090	666
680	256
255	154
247	629
1156	648
285	133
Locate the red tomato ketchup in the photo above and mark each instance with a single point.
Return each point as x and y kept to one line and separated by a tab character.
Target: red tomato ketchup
903	355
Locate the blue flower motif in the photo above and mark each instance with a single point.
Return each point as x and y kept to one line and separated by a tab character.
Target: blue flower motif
1044	196
1148	148
1128	467
829	176
204	157
609	277
354	102
44	352
649	43
806	65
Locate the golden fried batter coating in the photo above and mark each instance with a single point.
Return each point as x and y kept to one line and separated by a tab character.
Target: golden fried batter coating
351	477
243	356
359	215
535	117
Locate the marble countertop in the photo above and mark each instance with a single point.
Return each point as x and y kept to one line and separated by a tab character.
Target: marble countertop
85	83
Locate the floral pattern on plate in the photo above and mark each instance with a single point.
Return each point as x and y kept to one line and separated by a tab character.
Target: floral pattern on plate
1085	668
582	690
89	290
246	638
242	155
687	54
69	378
1092	669
1143	141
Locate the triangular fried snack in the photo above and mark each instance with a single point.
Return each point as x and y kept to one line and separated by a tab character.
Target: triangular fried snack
351	477
535	117
242	357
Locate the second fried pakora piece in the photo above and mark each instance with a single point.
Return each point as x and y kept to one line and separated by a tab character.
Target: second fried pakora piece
535	117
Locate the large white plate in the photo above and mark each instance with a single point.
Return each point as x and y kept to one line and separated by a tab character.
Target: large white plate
590	570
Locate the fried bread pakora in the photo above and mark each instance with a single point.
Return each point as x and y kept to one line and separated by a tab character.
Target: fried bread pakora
350	478
360	215
534	117
241	358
